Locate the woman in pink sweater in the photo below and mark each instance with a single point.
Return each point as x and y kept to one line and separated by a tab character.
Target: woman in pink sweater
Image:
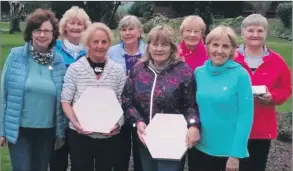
192	48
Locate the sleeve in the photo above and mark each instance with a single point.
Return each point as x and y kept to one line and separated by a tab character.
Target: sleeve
121	79
245	116
131	114
69	85
283	89
188	103
4	92
60	116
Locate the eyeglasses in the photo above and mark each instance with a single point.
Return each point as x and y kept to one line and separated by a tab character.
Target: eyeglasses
46	31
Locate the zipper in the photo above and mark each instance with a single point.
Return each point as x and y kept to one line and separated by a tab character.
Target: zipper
152	93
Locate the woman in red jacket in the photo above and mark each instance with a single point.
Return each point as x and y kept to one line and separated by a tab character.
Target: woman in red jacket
267	68
192	48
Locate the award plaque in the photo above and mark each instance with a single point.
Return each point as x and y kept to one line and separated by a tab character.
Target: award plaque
259	90
166	136
98	109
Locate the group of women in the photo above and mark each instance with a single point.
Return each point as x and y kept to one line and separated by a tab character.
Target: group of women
206	78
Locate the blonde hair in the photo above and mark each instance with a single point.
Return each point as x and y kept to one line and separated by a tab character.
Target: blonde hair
86	35
193	19
69	14
162	33
255	19
221	31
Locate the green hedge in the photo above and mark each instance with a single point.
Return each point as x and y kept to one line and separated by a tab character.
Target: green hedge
284	11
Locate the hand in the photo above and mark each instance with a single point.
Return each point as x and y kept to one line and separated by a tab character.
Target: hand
59	142
2	141
232	164
192	136
141	130
79	129
113	131
265	98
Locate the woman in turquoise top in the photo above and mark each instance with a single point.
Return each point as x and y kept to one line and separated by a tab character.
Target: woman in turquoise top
127	52
31	85
225	102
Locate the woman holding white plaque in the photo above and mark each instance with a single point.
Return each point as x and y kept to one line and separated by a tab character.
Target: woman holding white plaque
160	83
225	102
89	150
268	71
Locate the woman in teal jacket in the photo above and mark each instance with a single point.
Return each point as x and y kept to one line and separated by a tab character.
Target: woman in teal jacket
31	85
71	26
225	101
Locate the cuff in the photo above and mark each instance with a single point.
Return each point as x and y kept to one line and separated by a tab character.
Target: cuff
192	122
135	123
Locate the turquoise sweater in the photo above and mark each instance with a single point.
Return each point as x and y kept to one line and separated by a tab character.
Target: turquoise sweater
13	79
39	97
225	100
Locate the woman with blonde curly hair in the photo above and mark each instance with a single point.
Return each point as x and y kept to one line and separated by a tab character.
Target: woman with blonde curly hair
72	24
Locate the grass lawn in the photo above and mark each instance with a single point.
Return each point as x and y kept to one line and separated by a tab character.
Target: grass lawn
9	41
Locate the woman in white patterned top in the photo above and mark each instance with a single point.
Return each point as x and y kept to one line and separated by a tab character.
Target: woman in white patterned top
89	149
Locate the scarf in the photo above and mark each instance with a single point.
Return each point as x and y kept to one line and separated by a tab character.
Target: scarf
72	49
194	58
42	58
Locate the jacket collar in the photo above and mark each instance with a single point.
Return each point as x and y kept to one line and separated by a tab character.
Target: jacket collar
56	58
60	46
141	47
269	54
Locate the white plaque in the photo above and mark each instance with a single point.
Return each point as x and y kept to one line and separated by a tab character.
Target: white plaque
166	136
98	109
259	90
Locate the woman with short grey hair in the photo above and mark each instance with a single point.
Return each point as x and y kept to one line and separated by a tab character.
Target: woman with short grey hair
269	69
127	52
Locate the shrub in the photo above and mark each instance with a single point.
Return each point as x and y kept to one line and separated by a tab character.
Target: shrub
147	15
285	126
281	32
234	23
284	11
113	24
139	8
156	20
142	20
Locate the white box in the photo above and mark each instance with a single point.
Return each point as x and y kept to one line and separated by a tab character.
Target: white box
98	110
259	89
166	136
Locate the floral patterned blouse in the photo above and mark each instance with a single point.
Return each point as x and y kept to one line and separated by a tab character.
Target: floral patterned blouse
170	91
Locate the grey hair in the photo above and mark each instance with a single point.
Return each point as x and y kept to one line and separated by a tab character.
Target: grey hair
130	20
255	19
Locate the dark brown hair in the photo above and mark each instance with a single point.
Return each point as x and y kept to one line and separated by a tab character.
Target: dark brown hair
35	21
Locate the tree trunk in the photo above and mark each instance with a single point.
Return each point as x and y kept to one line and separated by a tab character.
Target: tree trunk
117	4
14	26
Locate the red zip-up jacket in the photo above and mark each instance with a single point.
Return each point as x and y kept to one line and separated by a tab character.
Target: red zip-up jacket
276	75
